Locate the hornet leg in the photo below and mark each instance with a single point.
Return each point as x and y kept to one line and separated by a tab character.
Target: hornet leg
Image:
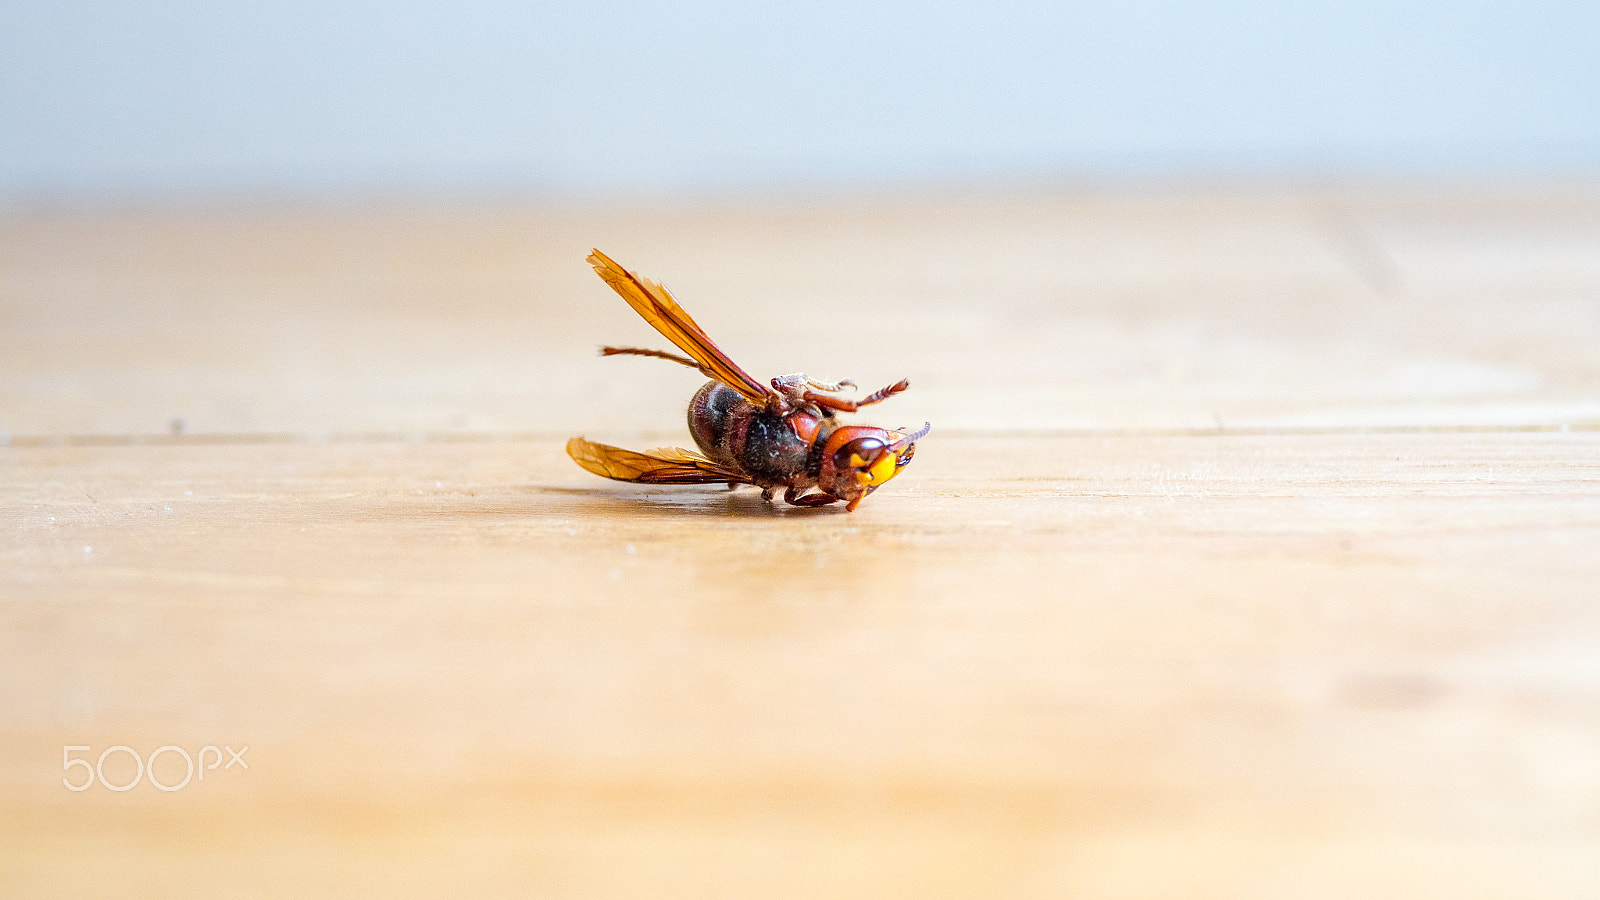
877	396
832	387
657	354
793	498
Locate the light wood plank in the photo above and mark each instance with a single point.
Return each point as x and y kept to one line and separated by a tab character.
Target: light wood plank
1255	553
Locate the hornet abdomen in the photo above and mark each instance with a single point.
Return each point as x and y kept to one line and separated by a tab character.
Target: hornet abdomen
732	431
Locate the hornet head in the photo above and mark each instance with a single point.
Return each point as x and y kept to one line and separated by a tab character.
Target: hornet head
859	459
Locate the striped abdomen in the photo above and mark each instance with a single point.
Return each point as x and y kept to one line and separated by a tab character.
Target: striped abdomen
733	432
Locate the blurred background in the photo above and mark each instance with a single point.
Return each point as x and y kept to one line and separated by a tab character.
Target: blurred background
1246	559
114	100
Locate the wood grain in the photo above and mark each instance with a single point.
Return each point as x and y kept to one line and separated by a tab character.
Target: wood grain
1255	553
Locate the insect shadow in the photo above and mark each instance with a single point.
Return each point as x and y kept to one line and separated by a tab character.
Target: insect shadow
718	502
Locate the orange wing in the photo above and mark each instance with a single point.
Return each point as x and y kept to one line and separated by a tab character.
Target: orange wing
666	465
652	301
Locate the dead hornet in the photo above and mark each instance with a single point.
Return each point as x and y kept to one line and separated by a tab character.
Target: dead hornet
781	434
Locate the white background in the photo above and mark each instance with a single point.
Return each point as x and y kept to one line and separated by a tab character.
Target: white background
100	98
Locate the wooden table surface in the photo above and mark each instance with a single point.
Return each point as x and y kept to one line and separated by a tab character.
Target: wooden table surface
1255	551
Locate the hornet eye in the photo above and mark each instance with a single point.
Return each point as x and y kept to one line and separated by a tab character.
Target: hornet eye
860	453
